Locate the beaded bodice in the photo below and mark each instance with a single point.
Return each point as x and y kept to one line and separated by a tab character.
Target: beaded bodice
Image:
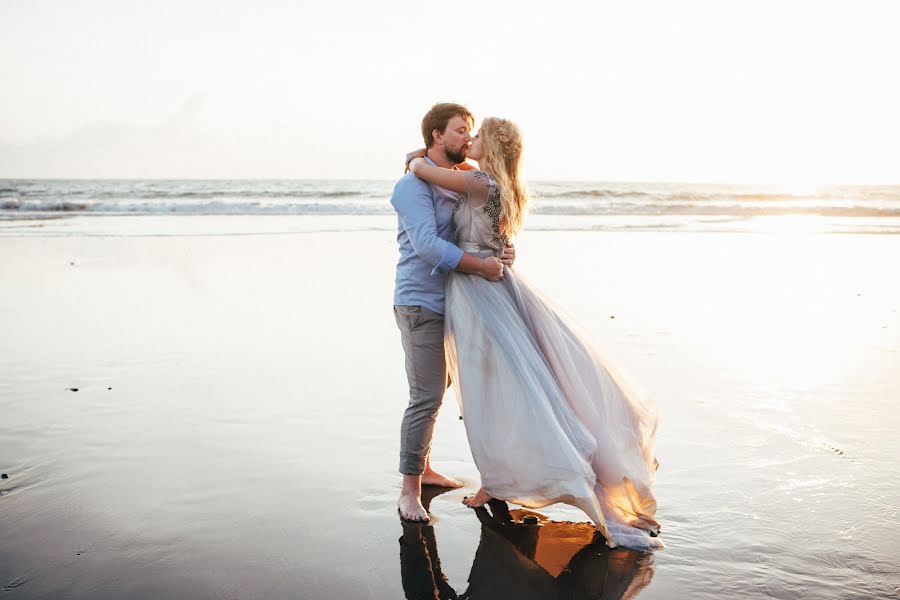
477	219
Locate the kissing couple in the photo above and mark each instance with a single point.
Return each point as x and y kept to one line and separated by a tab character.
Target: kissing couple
547	419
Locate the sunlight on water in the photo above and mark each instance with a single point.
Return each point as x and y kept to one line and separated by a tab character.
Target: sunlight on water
779	318
644	204
219	396
790	224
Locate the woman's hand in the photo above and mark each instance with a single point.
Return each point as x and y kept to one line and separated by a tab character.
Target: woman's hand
416	162
420	153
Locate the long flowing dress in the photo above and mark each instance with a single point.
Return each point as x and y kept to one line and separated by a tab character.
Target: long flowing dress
548	420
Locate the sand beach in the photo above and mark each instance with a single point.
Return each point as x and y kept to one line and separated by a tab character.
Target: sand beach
240	385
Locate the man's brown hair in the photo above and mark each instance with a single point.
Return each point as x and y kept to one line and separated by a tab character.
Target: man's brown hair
438	117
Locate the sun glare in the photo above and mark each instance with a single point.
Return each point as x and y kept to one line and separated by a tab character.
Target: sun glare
800	189
790	224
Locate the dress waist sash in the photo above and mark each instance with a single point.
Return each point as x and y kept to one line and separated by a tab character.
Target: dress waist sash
475	248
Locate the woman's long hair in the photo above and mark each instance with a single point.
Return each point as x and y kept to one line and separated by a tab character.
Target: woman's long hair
502	142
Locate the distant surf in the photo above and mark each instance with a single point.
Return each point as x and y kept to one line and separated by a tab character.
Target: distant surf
659	202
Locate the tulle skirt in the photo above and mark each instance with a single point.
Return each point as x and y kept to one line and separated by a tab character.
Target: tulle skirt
548	420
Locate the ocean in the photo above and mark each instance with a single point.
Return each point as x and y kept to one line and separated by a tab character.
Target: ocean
555	204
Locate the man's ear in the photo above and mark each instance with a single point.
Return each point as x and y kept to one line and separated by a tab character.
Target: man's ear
436	135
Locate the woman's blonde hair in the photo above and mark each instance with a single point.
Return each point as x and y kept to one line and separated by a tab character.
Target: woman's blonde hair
502	142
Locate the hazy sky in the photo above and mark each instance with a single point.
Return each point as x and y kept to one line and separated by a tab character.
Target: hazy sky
764	91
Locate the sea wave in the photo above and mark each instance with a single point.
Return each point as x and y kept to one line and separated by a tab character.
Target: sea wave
589	194
16	205
365	197
116	194
294	207
221	206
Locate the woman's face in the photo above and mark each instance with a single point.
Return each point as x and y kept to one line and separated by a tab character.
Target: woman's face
476	150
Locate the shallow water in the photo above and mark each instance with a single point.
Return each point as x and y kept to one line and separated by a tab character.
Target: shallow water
247	445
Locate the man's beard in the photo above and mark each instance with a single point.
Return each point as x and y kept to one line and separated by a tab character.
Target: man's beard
457	156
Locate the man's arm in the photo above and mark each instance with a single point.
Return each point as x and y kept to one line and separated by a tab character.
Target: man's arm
413	203
490	267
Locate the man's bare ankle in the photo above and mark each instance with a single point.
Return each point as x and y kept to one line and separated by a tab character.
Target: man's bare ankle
411	484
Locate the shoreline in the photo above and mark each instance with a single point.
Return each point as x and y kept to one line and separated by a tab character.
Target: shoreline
71	224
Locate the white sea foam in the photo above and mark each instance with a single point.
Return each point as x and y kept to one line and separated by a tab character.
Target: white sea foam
578	205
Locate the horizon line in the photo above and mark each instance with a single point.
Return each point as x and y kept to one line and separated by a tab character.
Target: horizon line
797	183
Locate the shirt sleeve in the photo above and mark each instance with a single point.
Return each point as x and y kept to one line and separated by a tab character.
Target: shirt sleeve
479	185
413	202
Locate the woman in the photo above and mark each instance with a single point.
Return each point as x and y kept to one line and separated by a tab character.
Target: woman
547	420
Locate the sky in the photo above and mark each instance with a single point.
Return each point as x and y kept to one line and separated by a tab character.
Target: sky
710	91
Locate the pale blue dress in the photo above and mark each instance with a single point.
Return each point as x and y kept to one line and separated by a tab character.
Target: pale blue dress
547	418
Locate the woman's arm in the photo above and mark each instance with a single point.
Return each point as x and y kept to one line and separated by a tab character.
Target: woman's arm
449	179
413	155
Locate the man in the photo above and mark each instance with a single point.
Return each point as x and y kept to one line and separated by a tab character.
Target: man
427	255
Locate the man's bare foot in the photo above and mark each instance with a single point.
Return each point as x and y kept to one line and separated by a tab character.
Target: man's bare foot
410	508
432	477
480	498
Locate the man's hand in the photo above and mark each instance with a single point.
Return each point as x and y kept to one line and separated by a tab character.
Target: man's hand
509	255
491	268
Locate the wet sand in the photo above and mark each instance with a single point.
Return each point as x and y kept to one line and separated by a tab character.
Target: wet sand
234	432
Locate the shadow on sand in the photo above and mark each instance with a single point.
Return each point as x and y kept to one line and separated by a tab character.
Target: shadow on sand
522	555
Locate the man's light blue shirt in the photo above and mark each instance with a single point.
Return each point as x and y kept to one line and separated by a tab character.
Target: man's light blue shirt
425	234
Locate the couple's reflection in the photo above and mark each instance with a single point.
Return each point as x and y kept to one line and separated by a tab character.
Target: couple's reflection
522	555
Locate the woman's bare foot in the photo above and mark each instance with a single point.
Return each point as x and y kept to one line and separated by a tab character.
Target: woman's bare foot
480	498
432	477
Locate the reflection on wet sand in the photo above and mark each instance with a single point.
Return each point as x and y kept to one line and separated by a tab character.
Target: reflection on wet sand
522	555
420	566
